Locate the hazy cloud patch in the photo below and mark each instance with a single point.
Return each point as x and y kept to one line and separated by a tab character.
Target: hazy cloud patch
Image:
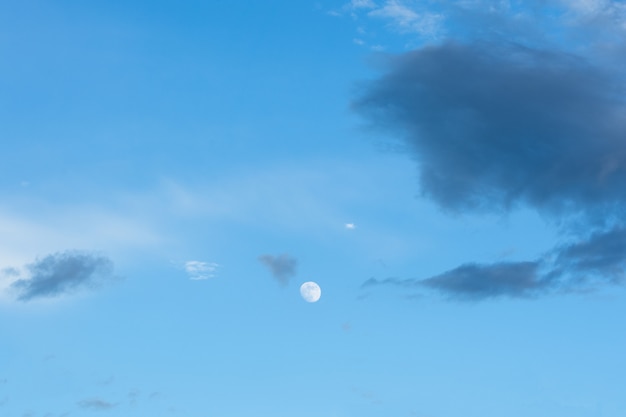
198	270
96	404
282	267
62	273
405	18
10	272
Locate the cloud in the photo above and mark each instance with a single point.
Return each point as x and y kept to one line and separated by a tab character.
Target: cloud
362	4
198	270
494	125
562	20
96	404
133	397
407	19
472	281
581	266
10	272
515	117
282	267
63	273
601	256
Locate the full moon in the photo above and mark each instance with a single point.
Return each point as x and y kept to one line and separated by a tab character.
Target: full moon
310	291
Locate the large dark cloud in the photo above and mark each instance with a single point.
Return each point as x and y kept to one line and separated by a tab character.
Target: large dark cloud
494	124
63	273
282	267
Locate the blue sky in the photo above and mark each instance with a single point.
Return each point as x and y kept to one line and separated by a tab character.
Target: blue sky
451	173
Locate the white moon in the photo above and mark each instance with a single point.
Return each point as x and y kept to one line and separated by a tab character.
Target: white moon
310	291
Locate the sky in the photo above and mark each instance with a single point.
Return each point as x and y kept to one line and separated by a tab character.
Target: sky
451	173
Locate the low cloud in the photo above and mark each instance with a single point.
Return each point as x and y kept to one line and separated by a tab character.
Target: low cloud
496	125
514	117
282	267
62	273
198	270
583	266
473	281
96	404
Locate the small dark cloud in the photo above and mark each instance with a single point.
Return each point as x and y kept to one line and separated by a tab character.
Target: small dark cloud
368	395
133	396
282	267
63	273
581	266
107	381
96	404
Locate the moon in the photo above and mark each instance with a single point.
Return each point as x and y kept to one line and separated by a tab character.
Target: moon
310	291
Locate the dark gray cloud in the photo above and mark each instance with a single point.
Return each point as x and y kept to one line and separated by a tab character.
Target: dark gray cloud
96	404
282	267
507	117
602	257
63	273
474	281
578	267
494	125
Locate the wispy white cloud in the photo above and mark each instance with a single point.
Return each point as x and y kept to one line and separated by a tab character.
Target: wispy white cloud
408	19
198	270
604	15
362	4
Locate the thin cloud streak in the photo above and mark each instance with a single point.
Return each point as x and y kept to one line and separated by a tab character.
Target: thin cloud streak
582	266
